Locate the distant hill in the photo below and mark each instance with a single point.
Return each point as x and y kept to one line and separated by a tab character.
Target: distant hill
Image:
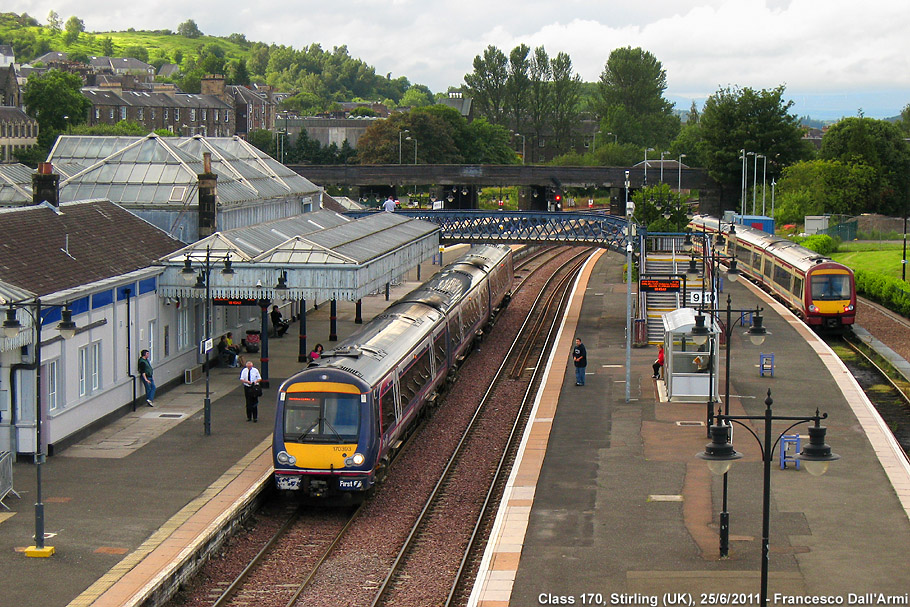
322	77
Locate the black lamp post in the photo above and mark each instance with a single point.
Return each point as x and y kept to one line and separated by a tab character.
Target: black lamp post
204	281
11	328
757	334
720	455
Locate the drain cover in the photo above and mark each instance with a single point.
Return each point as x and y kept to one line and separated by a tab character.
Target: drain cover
690	423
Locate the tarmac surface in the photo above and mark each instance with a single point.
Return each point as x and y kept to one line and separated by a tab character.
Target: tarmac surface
607	498
610	506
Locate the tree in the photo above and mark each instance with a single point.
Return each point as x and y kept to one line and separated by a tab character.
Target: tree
417	96
54	22
736	119
137	52
630	99
518	85
904	122
74	27
490	144
881	146
566	94
55	100
487	84
107	47
817	187
189	29
237	73
541	99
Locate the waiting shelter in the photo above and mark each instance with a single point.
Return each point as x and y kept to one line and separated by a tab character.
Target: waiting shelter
690	370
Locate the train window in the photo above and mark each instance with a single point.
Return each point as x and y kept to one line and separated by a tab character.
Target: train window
744	256
798	286
782	277
769	267
439	347
414	378
756	260
328	417
830	286
387	406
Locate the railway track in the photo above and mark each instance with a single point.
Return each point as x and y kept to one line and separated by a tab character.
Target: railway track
886	389
402	585
314	545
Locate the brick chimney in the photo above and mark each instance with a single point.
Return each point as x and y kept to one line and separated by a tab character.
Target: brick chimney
212	84
208	195
46	185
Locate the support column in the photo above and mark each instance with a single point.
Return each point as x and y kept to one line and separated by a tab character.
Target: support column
333	321
387	289
358	312
264	359
302	348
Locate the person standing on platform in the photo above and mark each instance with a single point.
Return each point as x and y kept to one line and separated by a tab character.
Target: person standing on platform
145	372
580	356
388	205
250	379
659	363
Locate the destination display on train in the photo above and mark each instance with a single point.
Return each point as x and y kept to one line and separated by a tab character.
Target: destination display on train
660	285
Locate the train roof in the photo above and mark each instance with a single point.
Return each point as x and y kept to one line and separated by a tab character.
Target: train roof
787	251
380	345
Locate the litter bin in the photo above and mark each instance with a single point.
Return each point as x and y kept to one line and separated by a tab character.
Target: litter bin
640	333
251	343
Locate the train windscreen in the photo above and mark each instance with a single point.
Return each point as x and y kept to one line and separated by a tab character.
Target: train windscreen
830	286
324	418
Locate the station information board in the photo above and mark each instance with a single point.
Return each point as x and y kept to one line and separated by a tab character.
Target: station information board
660	285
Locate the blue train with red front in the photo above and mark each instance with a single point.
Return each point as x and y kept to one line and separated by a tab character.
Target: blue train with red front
341	419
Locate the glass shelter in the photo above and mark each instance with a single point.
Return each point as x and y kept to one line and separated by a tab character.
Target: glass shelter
690	370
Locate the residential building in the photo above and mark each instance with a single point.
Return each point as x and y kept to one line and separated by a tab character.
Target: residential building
180	113
17	130
10	92
121	65
7	56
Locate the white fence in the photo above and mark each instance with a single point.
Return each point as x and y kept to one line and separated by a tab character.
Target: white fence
6	476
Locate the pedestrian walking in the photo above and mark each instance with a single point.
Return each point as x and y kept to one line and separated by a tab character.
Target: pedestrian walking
580	357
250	379
145	373
659	363
389	205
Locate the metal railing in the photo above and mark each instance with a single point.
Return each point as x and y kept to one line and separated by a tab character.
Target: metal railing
6	476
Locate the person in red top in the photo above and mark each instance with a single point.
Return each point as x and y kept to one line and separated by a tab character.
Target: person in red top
659	363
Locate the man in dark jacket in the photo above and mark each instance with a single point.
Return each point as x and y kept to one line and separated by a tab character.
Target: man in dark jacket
580	356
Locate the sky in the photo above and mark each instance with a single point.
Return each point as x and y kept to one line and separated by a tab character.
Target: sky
835	57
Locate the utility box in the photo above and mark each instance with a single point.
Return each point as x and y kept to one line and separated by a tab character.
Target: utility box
816	223
759	222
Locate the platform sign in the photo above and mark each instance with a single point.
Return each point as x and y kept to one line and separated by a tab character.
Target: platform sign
660	285
206	346
231	301
698	298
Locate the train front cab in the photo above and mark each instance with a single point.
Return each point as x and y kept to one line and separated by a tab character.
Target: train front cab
323	442
830	296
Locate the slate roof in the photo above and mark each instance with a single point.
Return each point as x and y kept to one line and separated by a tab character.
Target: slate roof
45	250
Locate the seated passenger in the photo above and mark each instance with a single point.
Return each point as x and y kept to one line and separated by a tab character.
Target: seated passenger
226	354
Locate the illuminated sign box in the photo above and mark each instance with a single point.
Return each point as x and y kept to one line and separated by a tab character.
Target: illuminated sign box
225	301
660	285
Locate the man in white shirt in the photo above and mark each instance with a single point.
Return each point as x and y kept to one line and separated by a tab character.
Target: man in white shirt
388	205
250	379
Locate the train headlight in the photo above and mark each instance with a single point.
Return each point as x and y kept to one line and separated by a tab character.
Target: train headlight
286	458
355	460
848	308
813	308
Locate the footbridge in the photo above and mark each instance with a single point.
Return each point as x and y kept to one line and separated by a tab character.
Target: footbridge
523	227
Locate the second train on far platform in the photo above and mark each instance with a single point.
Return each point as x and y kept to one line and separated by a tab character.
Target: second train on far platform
821	291
340	420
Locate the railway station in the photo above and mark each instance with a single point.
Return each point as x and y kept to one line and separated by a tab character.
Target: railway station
607	503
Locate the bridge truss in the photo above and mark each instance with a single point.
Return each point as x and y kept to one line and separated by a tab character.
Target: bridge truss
524	227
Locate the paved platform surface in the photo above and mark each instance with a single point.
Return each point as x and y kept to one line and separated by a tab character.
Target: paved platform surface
609	505
120	504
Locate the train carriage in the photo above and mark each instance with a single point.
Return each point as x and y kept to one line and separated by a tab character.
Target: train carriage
820	290
340	420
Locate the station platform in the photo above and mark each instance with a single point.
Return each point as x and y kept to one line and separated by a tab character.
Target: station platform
127	501
609	505
606	498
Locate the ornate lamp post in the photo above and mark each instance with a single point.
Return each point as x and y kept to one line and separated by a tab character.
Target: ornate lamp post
203	280
720	455
67	329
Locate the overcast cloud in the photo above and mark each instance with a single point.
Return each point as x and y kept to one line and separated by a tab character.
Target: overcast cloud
833	56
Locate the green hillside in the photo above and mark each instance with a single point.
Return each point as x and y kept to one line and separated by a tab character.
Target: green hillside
320	77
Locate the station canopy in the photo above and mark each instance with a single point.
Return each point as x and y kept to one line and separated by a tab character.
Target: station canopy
314	256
